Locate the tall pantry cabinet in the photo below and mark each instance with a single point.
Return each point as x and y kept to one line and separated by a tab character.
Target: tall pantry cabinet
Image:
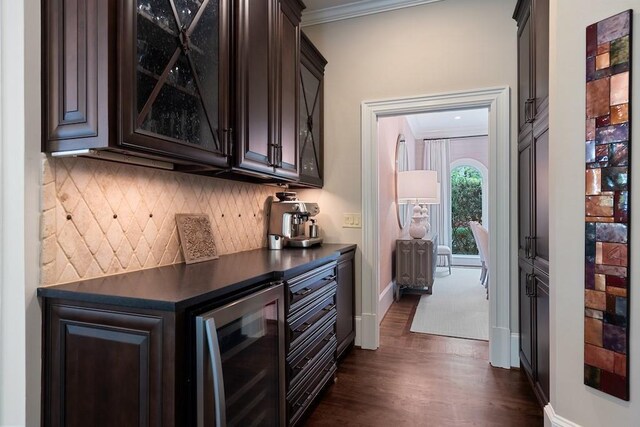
532	17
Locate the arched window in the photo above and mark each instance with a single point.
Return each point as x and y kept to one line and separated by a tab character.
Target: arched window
468	203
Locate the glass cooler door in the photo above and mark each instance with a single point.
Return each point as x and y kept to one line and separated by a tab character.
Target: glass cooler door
240	362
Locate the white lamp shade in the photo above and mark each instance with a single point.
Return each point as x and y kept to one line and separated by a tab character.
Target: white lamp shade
431	200
418	185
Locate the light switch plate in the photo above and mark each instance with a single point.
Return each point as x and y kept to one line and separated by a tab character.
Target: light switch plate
352	220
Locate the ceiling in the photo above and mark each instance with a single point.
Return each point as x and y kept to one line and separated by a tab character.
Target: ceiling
322	11
450	124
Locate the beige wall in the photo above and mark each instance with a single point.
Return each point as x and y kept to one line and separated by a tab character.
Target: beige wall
388	130
569	396
441	47
102	218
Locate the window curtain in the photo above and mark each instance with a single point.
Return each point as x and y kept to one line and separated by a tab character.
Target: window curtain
437	157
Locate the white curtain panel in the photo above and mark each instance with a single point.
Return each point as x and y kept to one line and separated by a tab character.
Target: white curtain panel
437	157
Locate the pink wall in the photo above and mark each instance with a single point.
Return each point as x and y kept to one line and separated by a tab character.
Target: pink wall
471	148
388	130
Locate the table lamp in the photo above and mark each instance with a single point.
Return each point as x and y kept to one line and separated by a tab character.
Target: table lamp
418	187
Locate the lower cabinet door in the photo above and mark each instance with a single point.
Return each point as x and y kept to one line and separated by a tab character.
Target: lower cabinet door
345	323
542	337
103	368
527	307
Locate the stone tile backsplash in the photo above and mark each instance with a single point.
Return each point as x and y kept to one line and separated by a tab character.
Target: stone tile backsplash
101	218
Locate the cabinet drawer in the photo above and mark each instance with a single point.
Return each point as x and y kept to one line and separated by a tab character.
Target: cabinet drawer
311	351
304	288
301	397
318	315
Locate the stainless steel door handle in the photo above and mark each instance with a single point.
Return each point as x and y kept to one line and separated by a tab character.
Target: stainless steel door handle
216	368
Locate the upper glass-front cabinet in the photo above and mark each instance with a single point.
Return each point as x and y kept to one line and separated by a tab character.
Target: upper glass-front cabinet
311	113
175	78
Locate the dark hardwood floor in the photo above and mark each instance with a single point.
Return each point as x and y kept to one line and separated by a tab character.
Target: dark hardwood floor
424	380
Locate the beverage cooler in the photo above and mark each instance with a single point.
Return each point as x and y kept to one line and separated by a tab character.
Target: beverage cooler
240	373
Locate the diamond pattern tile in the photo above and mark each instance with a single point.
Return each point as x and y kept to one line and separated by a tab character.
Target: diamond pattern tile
101	218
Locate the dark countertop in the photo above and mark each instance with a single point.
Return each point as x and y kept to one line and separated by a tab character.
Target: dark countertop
178	286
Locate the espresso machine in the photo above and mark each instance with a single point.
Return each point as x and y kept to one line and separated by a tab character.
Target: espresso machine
289	217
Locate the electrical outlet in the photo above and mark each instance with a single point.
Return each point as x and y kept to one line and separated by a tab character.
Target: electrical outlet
352	220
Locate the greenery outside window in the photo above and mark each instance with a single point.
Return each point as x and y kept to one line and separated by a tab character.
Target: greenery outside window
466	205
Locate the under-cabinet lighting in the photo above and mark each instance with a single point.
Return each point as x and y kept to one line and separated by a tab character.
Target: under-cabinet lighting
115	157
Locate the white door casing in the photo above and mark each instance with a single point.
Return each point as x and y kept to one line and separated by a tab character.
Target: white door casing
498	102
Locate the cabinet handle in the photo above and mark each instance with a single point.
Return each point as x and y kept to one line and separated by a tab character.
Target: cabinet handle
216	368
532	109
532	247
228	142
303	292
526	247
231	142
529	109
534	290
329	307
306	360
304	327
273	148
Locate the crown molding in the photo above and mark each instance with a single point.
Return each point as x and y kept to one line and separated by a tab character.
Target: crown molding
356	9
450	133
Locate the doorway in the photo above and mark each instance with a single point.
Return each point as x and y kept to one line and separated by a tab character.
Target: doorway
497	102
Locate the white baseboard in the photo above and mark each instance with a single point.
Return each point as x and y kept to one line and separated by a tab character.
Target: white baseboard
358	331
385	301
466	261
500	347
515	350
551	419
369	338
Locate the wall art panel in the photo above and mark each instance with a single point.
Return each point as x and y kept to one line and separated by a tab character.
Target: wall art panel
607	179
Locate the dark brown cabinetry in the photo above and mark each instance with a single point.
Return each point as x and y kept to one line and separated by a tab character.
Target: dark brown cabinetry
134	349
267	60
345	301
311	113
533	59
533	191
174	61
137	77
192	85
103	358
311	337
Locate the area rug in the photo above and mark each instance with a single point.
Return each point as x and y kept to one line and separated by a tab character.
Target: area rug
457	308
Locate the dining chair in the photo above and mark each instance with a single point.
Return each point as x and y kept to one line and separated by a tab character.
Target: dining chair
483	238
474	230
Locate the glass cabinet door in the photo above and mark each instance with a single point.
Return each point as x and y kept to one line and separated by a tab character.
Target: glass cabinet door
310	125
177	92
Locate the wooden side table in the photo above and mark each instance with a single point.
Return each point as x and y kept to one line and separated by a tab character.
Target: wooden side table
415	264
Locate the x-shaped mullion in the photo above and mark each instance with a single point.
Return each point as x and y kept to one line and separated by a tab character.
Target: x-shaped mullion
163	77
310	115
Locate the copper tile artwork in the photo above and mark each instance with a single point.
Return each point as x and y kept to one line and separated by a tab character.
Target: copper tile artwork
599	205
593	331
602	61
620	88
607	188
591	129
619	114
598	95
603	48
